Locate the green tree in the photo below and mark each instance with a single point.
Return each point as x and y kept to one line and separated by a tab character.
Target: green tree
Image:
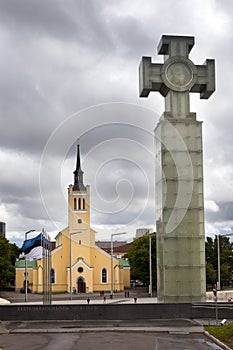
226	258
226	274
14	252
138	256
9	253
211	252
211	275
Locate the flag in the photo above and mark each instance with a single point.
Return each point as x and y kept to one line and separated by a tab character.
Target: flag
37	241
34	254
29	244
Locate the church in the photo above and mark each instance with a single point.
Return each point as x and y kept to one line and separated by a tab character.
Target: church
77	263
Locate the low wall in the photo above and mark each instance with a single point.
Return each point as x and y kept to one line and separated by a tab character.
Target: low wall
113	312
222	295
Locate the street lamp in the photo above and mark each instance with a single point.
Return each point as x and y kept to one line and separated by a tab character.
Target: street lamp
112	274
26	268
71	233
218	249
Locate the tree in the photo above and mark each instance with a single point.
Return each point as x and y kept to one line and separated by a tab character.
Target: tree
226	274
226	258
138	256
211	252
9	253
211	275
14	252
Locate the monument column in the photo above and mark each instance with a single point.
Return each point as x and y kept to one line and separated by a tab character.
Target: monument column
179	169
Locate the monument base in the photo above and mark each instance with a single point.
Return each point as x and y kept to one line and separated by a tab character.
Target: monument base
180	211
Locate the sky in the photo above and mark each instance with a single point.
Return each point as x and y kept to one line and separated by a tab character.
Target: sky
69	72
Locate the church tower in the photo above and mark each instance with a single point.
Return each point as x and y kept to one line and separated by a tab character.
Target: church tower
78	265
79	206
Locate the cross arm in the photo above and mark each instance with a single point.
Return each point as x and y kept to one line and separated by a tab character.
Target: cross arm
150	78
173	45
205	83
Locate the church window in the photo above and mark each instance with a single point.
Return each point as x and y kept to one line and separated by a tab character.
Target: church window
80	269
79	221
75	204
104	276
84	204
52	276
79	204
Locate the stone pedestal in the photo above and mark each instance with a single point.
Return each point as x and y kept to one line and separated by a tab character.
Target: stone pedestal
180	211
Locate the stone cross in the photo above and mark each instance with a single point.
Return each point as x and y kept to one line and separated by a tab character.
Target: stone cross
177	76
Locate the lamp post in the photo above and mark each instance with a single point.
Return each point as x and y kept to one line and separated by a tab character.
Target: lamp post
71	233
112	272
219	277
26	268
218	249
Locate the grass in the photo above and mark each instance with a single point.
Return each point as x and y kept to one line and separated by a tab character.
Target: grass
223	333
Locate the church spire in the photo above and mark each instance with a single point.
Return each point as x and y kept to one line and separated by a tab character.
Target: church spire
78	174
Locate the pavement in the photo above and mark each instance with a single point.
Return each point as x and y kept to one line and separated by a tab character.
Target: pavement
139	296
92	301
124	340
174	326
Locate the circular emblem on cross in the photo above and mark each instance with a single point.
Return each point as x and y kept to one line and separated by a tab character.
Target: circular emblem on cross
179	74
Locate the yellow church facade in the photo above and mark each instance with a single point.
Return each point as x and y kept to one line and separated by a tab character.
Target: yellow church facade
77	263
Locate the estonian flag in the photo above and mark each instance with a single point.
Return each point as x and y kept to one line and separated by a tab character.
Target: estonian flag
29	244
36	253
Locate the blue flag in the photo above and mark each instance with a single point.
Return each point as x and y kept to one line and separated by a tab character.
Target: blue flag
29	244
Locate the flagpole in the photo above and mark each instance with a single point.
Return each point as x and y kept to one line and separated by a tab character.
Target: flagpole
44	266
47	294
49	268
26	268
26	280
43	252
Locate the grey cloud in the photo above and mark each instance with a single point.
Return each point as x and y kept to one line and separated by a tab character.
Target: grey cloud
26	207
127	32
224	214
70	21
58	57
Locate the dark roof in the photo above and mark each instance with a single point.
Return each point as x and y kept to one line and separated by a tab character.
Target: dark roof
118	246
124	248
107	244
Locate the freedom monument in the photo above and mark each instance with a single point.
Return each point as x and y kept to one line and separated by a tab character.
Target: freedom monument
179	169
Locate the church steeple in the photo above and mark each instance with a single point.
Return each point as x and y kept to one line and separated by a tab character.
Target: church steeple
78	174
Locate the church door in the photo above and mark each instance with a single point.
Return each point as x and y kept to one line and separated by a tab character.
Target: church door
81	285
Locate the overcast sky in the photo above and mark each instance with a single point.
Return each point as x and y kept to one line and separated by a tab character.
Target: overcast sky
69	70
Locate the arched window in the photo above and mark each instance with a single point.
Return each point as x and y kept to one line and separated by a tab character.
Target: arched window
52	276
84	204
75	204
79	204
104	276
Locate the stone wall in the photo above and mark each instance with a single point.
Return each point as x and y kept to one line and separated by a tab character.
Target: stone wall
113	312
225	296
